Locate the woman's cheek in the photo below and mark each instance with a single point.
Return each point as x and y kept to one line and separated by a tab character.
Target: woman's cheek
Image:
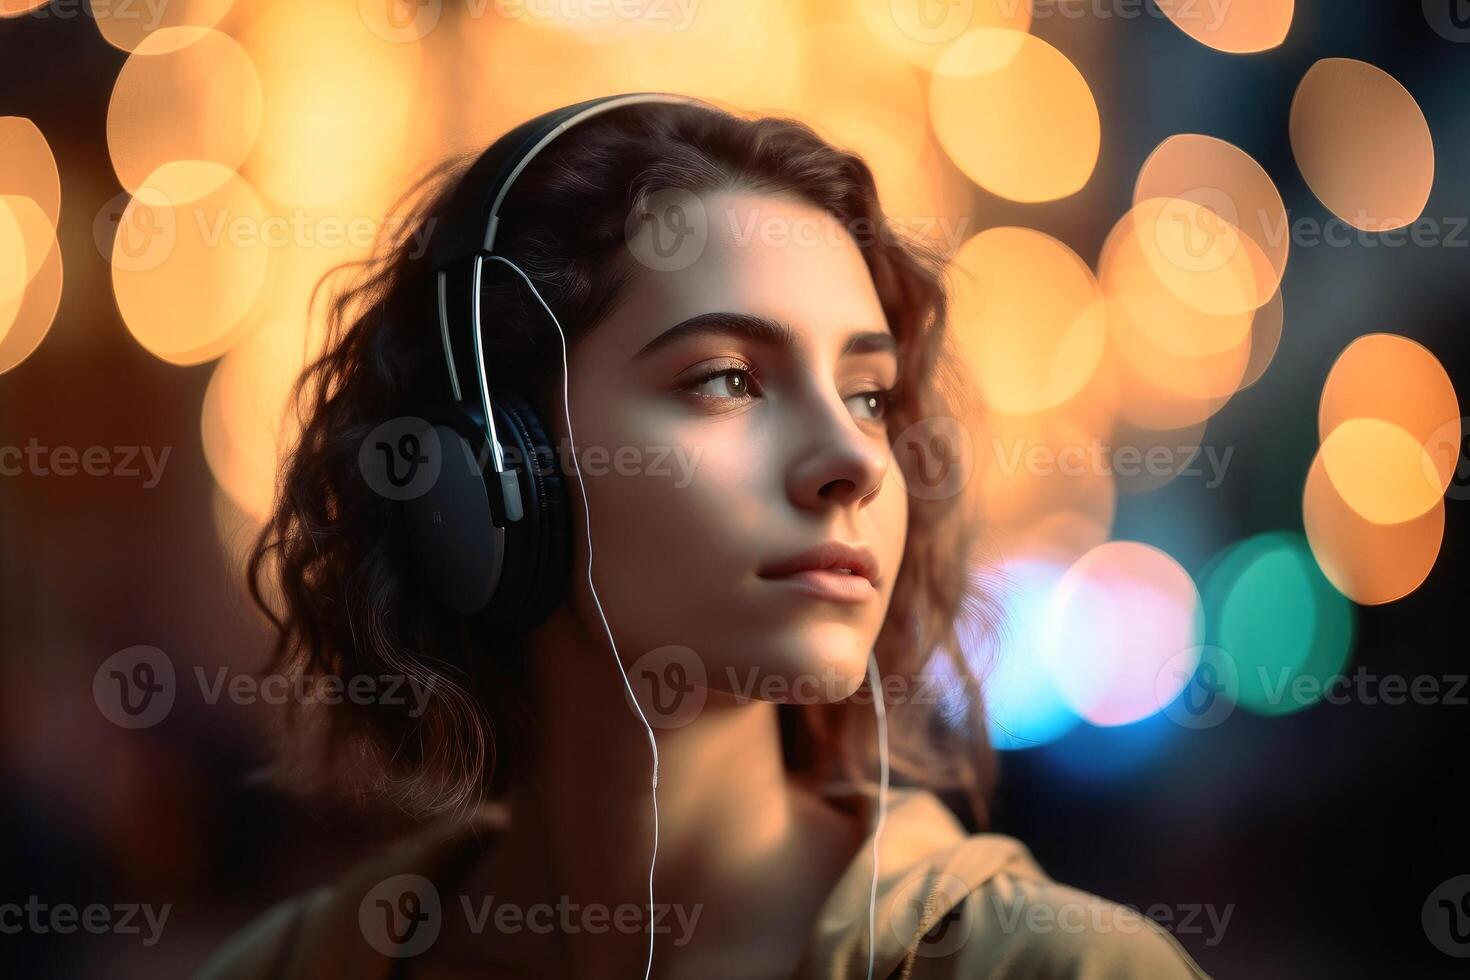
894	502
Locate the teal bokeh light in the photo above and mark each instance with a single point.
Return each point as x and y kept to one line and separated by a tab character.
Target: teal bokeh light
1269	607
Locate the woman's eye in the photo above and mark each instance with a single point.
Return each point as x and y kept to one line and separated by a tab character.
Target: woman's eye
874	405
877	403
732	383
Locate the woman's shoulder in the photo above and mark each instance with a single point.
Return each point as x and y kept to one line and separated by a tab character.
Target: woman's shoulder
265	945
357	925
953	904
984	907
1026	924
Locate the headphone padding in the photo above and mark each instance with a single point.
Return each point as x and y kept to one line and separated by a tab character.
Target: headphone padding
537	556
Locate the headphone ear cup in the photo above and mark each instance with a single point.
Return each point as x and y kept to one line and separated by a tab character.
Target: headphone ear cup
537	547
505	576
458	549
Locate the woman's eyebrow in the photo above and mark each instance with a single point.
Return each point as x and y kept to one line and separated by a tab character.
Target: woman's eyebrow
762	330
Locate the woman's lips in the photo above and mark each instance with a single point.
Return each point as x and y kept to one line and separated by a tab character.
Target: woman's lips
827	584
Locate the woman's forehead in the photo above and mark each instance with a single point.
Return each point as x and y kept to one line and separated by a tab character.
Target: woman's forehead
766	255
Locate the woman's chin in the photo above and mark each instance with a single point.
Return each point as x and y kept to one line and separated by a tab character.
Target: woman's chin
806	673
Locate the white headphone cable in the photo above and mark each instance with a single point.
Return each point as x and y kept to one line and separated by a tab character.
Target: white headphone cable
880	712
879	709
566	407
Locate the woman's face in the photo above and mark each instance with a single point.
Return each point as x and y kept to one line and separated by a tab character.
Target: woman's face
713	450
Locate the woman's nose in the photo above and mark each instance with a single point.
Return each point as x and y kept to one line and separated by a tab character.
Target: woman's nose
837	461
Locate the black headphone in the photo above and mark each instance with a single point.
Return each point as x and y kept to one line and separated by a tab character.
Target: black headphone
491	535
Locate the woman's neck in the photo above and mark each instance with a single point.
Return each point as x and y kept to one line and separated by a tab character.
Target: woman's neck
734	831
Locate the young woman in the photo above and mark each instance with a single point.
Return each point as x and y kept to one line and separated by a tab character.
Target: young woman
750	346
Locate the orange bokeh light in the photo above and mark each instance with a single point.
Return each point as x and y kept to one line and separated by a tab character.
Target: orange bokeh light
1362	144
26	318
1015	115
1033	467
131	26
338	121
1029	317
1397	380
913	30
1378	470
187	276
1367	562
196	102
1175	365
1228	184
28	167
17	8
1237	27
1266	328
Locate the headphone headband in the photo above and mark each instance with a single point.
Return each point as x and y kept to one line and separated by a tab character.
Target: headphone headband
506	159
494	543
498	167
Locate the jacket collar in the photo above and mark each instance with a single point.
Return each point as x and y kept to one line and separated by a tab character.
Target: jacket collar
927	864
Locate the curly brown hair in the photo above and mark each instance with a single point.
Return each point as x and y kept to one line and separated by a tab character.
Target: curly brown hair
334	555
